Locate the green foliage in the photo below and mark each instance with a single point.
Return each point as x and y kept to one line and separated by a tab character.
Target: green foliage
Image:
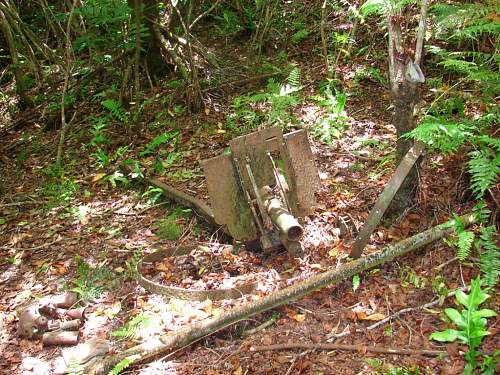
150	148
300	33
131	330
356	282
116	109
123	364
484	167
153	194
381	368
90	281
489	259
169	228
448	136
59	191
335	122
470	321
383	7
464	244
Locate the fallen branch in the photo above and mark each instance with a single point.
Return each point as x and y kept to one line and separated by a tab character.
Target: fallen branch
181	198
351	348
187	335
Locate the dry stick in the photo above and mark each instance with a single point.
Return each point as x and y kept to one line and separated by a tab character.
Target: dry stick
323	36
187	335
352	348
386	197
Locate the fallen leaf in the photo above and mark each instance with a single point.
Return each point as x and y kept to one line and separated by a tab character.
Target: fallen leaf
98	177
376	316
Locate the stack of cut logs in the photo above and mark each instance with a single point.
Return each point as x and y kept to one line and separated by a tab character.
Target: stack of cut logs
55	319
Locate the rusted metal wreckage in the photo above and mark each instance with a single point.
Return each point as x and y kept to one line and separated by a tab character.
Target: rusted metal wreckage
260	190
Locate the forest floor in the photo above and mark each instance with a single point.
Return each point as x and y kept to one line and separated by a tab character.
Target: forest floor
82	233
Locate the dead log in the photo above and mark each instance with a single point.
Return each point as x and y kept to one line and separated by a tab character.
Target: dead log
188	335
181	198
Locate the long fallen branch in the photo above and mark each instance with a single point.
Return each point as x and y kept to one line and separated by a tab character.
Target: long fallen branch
352	348
187	335
199	206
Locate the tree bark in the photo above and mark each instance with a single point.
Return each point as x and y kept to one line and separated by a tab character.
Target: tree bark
188	335
24	100
404	89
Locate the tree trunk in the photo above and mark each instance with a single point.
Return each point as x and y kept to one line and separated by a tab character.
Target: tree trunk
148	13
24	100
405	75
405	96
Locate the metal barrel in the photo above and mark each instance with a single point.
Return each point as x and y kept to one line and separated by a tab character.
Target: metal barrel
286	223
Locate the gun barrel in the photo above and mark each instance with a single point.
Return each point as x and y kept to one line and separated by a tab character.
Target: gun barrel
286	223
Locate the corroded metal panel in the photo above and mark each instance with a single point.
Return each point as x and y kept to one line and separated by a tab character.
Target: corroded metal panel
302	176
255	147
227	198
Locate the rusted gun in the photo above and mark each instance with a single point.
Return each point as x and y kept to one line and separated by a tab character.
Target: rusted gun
263	186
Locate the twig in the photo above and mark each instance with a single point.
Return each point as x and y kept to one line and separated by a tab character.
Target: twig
352	348
22	203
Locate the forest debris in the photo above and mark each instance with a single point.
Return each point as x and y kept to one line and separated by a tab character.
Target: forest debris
84	352
352	348
187	335
56	338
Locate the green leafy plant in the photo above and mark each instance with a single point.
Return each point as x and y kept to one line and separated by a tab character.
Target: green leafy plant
131	330
300	33
470	322
123	364
335	121
382	368
150	148
90	281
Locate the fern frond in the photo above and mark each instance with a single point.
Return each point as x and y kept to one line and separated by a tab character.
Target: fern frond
440	134
293	78
464	244
481	212
484	169
489	260
123	364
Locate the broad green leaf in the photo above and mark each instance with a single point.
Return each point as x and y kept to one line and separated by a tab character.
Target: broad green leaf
462	298
476	295
456	317
448	335
478	333
356	281
484	313
374	6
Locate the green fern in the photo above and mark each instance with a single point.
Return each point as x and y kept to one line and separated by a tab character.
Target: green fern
132	328
481	212
484	167
123	364
464	244
293	78
489	260
116	109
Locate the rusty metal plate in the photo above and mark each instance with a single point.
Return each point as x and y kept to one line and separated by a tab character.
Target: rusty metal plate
227	199
255	146
302	175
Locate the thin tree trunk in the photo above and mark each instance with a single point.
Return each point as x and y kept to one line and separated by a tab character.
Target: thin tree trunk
404	91
24	99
